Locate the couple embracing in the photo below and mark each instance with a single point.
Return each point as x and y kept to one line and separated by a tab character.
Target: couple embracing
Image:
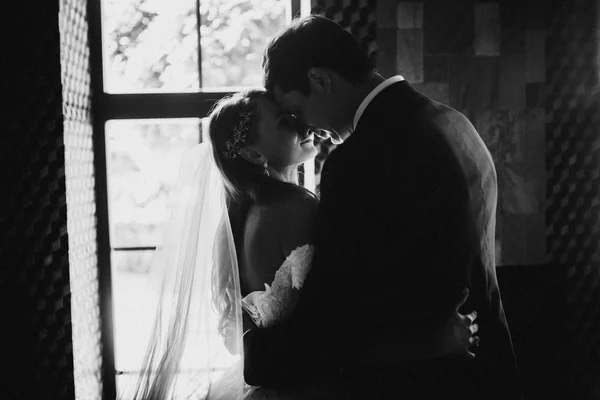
380	287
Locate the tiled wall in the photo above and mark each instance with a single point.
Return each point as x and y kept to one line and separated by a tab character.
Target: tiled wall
487	60
81	201
526	73
573	189
530	88
49	338
36	359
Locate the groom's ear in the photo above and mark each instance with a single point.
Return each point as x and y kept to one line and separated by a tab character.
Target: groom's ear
319	80
252	155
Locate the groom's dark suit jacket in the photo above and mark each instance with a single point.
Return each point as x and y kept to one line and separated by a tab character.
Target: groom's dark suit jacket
406	221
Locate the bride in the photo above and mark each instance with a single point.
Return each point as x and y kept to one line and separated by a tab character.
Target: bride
236	255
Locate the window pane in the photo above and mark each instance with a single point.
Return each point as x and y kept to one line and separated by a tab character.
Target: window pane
234	34
135	294
133	317
150	45
143	159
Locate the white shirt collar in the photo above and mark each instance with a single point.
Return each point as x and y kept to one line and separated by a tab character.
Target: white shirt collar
371	96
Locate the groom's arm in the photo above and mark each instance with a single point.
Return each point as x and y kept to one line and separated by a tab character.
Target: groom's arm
273	355
290	350
296	350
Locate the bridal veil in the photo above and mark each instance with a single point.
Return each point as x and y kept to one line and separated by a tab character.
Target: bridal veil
195	350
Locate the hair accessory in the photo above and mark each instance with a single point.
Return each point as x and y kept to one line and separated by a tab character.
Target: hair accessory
240	134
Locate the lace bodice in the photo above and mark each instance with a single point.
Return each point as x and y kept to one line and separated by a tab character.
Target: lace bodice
275	303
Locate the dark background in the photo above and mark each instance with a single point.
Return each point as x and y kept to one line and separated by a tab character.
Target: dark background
529	67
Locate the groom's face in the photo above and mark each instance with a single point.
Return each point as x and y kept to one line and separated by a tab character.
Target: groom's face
295	102
313	109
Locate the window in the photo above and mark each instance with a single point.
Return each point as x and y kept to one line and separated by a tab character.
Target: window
158	67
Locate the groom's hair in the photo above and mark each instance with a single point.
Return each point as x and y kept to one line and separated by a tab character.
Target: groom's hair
313	41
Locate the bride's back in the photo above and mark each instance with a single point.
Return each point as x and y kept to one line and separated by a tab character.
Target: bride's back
271	231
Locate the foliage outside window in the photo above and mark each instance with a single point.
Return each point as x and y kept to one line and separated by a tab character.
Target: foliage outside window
153	47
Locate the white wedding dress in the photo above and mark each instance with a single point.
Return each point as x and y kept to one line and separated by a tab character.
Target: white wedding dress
196	347
266	308
274	304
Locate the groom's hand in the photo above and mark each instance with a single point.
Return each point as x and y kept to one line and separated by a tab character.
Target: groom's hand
458	336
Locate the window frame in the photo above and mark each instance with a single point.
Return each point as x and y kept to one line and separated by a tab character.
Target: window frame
111	106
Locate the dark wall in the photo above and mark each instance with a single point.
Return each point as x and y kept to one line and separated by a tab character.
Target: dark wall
47	216
573	186
36	357
485	59
533	298
46	161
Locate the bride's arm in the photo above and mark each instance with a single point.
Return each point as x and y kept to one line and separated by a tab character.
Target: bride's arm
277	301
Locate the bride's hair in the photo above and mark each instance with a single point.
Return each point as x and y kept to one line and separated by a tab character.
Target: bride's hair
239	175
245	183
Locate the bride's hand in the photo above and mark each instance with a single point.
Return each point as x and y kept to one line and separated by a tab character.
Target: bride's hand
458	335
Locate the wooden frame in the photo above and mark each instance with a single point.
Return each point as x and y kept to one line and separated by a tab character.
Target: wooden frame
106	107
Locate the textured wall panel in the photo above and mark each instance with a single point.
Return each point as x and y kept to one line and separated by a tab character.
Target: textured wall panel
487	61
81	208
35	348
573	164
357	16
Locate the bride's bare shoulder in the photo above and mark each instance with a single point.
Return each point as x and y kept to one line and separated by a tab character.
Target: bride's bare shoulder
296	204
295	209
288	221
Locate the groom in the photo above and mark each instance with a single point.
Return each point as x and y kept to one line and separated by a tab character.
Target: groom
406	222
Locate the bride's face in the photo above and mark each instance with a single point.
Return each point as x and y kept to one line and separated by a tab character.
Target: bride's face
281	137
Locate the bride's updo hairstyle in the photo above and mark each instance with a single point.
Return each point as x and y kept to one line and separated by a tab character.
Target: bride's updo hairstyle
234	124
235	114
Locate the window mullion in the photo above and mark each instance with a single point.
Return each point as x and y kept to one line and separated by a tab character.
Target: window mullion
295	8
199	33
159	105
132	248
